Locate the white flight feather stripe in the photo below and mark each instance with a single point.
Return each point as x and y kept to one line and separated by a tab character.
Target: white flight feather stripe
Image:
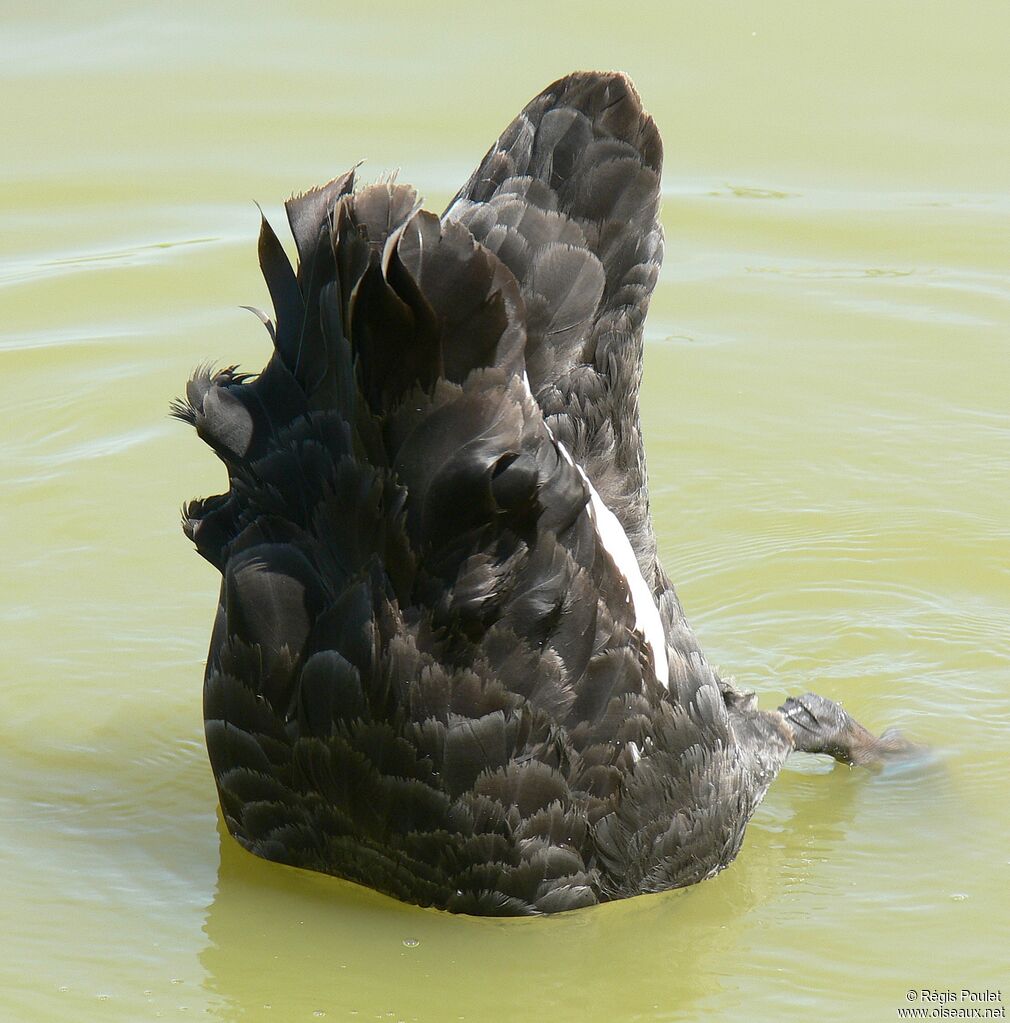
615	541
618	546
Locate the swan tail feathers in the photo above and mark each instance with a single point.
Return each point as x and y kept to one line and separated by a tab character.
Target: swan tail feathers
424	655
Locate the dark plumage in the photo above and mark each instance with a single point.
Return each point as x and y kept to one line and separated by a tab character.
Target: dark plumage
431	672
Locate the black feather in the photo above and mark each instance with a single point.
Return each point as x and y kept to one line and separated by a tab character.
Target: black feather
426	673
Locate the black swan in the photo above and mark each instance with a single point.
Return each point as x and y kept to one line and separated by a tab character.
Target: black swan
447	663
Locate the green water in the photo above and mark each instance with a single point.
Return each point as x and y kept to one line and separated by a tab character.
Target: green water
827	410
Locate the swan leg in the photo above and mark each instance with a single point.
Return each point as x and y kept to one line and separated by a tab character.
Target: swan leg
820	725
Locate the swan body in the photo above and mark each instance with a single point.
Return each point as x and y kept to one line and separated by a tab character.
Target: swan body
447	662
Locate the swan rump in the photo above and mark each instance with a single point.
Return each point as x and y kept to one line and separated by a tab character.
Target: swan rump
446	661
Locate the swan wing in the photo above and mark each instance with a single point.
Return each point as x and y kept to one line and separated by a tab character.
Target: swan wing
568	198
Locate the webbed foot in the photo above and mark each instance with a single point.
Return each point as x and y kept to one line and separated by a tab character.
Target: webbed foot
820	725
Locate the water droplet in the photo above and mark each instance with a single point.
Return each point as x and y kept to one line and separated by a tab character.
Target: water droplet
959	897
411	942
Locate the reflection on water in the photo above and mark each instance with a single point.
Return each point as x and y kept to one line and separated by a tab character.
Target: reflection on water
825	407
361	954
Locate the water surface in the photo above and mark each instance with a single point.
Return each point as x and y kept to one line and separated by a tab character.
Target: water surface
828	432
